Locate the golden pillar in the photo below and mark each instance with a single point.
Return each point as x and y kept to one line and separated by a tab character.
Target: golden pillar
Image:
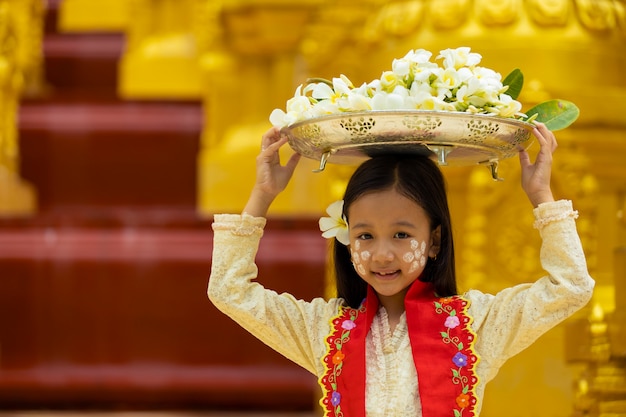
160	58
94	15
250	65
21	27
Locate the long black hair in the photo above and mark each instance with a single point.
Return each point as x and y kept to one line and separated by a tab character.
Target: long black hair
418	178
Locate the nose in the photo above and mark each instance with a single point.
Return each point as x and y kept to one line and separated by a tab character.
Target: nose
382	252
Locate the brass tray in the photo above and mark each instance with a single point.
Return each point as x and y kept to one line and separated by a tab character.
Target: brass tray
453	138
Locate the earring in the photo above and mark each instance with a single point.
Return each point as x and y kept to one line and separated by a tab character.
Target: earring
434	258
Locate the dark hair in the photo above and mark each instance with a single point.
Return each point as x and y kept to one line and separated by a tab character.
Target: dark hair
418	178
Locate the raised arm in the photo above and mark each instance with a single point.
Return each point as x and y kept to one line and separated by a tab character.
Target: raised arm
271	176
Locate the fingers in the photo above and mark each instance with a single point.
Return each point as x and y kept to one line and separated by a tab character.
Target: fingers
546	137
524	158
270	137
293	162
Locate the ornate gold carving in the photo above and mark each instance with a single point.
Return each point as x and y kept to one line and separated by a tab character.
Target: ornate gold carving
21	26
498	12
597	14
449	14
397	19
549	12
601	389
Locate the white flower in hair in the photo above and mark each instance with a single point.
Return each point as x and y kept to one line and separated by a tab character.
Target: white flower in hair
335	225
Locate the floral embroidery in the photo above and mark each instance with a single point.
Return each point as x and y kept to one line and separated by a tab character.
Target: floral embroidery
341	326
459	359
457	333
463	401
338	357
448	323
452	322
348	324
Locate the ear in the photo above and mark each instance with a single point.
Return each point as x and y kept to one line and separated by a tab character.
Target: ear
435	242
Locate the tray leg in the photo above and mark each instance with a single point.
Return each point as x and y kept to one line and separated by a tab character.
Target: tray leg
493	167
441	152
323	160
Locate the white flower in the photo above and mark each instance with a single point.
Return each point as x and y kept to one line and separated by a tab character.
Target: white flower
335	225
359	101
419	56
459	57
413	83
508	107
389	80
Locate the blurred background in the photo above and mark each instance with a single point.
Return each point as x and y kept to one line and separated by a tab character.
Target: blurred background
126	124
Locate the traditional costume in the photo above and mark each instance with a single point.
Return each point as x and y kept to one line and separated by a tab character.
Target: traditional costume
440	356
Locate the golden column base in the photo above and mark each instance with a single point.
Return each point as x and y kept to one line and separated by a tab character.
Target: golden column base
17	197
93	15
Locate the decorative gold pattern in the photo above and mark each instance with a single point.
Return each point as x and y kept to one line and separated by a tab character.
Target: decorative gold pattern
467	139
21	27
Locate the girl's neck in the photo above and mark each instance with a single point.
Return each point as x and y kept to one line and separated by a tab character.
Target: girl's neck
394	306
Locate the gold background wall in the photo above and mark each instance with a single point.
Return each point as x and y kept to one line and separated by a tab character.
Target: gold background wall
244	58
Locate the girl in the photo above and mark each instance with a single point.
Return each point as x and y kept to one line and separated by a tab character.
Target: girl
398	340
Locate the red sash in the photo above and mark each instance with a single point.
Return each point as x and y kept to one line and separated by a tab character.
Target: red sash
442	343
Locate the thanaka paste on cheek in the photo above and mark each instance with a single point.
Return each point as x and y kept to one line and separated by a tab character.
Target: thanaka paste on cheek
356	260
417	258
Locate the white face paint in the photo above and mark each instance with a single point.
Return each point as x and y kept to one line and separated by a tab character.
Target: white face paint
417	258
358	257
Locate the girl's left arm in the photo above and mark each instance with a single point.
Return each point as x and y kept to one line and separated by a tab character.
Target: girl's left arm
514	318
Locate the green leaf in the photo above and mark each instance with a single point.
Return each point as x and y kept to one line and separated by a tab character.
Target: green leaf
555	114
460	346
515	81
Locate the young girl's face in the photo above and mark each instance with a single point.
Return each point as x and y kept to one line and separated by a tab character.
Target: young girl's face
390	242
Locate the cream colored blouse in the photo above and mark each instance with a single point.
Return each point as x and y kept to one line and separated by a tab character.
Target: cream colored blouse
505	323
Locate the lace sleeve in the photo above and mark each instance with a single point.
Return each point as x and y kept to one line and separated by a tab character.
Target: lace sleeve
295	328
511	320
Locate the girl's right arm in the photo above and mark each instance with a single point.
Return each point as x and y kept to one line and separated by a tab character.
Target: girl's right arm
292	327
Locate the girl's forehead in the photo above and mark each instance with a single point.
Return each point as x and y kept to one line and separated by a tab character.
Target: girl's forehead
389	205
390	197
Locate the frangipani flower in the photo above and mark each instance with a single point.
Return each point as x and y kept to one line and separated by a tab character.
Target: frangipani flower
459	57
335	225
416	83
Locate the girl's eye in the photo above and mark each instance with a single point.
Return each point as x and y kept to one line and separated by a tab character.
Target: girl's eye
401	235
364	236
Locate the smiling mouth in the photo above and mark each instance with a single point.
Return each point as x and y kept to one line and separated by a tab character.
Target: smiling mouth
386	275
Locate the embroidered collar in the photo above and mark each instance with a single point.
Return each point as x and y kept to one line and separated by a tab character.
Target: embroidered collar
442	343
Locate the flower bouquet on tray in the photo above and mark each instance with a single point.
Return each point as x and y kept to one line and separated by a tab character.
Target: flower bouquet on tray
457	111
